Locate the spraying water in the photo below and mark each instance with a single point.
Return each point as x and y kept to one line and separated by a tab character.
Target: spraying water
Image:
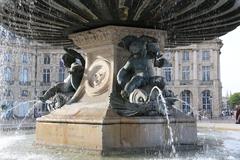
16	124
26	115
162	103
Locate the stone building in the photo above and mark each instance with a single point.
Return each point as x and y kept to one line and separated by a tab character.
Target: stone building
17	77
194	76
27	71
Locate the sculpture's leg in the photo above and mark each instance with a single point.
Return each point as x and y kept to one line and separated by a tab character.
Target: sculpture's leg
135	82
123	77
63	87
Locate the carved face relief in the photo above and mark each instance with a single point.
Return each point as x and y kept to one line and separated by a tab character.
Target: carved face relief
98	77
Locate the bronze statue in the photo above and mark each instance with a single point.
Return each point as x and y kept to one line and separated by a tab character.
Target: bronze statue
136	79
76	64
136	73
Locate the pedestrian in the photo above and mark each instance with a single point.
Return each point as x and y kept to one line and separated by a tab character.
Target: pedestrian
238	116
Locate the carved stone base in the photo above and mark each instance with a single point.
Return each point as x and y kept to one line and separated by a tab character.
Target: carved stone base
89	123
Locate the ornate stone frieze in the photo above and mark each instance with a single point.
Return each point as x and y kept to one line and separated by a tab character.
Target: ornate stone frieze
112	35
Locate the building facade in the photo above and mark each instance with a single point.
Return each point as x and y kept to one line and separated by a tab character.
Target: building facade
194	76
17	77
26	72
49	71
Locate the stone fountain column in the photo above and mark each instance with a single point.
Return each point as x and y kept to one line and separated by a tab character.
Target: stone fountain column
89	123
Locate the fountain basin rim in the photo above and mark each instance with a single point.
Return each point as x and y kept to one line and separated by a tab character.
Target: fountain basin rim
121	120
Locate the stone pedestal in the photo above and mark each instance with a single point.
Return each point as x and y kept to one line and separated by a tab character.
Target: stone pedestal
89	123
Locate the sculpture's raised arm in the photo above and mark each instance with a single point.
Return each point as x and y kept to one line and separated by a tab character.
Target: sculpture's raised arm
75	54
124	74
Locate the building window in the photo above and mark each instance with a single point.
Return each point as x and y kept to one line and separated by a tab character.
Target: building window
8	56
206	73
185	55
24	75
205	55
46	59
46	75
7	93
24	58
61	73
44	105
7	74
24	93
167	73
186	97
206	101
185	73
23	109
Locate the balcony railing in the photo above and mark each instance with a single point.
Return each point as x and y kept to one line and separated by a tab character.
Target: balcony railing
169	82
45	83
28	83
186	82
9	82
207	82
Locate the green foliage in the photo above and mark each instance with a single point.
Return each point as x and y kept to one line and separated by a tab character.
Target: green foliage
234	99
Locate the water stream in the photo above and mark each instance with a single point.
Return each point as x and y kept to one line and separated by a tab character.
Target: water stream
171	141
161	102
17	123
28	112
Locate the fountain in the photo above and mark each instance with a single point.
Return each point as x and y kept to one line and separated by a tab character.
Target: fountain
95	111
90	121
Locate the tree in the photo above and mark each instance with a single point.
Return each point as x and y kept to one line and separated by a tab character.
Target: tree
234	99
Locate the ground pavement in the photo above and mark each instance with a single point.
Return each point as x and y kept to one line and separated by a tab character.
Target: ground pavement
219	124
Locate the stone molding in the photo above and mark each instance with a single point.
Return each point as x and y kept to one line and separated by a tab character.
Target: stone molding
109	35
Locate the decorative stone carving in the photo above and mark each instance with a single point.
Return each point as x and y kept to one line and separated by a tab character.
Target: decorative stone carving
98	77
113	35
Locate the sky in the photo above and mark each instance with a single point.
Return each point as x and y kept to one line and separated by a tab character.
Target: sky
230	62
